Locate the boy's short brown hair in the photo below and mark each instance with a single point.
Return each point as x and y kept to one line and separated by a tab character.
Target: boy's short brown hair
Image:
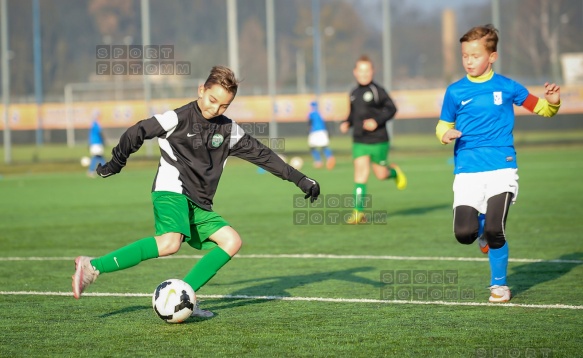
363	58
487	32
223	76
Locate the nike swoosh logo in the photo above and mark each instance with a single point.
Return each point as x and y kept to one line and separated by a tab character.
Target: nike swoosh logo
190	135
499	278
170	293
466	102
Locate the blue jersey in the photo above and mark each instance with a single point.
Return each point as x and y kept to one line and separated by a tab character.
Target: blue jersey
316	121
95	136
483	112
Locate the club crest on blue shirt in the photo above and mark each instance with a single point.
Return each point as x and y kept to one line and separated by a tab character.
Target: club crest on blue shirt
217	140
497	98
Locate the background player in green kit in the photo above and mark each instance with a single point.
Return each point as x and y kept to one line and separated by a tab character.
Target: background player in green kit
478	114
195	141
370	110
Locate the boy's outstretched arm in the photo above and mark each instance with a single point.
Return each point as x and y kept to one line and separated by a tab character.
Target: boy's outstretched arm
250	149
310	187
548	106
129	142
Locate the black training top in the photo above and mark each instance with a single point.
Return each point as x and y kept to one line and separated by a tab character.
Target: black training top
370	101
194	151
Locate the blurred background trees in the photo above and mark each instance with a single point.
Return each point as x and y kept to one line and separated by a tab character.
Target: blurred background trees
534	33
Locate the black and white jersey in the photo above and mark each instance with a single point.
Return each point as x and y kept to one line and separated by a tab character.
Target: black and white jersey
370	101
194	151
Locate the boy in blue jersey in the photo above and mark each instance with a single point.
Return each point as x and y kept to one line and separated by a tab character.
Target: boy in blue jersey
318	139
96	146
478	114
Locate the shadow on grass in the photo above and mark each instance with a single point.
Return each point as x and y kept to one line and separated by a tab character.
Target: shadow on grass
125	310
420	210
526	276
131	309
278	286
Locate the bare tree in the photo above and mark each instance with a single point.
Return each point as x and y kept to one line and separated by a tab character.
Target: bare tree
113	18
253	53
537	33
550	26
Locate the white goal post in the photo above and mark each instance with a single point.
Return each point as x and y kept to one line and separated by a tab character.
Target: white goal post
119	91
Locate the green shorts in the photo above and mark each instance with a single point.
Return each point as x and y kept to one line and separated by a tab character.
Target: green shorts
174	212
377	152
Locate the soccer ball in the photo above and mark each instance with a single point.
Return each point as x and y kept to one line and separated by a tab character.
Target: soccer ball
296	162
85	161
173	301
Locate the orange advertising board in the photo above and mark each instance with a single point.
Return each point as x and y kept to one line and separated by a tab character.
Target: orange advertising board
287	108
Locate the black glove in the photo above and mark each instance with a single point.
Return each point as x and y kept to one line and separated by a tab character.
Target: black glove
109	169
310	187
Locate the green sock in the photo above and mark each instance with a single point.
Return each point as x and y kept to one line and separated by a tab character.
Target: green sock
127	256
392	173
359	196
206	268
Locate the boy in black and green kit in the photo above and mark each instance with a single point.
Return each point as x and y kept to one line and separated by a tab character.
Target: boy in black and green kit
195	141
370	110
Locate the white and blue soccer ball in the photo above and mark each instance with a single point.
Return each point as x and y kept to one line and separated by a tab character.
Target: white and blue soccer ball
296	162
85	161
173	301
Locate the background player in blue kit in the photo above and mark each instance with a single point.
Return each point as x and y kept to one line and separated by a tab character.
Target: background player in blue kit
318	139
478	114
195	141
96	145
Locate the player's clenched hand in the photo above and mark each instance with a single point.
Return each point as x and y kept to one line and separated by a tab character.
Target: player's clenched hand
344	126
310	187
370	124
450	136
552	93
107	170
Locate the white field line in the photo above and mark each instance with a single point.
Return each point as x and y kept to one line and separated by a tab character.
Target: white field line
311	299
322	256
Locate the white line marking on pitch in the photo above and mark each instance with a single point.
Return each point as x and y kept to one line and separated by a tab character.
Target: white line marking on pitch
310	299
322	256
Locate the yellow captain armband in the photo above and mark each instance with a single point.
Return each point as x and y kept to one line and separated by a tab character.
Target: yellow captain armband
546	109
442	127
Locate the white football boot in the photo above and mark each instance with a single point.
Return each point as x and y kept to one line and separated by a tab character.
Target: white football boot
85	274
499	294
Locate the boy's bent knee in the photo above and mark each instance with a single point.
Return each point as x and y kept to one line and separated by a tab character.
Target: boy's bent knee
465	224
228	239
169	243
465	237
